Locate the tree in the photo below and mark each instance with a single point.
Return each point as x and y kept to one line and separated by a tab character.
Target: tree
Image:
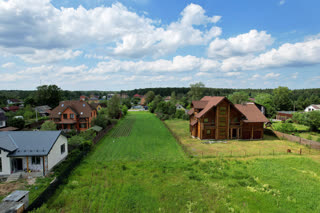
100	120
173	97
154	104
16	122
135	100
310	119
48	126
124	110
196	91
281	98
149	97
127	102
266	100
48	95
114	107
239	97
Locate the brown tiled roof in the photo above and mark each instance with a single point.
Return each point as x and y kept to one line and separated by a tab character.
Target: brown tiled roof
199	104
191	111
211	102
10	128
81	108
252	113
94	105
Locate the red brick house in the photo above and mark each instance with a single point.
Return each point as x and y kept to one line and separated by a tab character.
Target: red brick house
284	115
215	117
74	114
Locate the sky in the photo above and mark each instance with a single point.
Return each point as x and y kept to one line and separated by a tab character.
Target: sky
127	44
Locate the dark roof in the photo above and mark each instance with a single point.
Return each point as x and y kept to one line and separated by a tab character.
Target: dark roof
286	112
16	196
29	143
81	108
251	112
42	109
94	105
11	108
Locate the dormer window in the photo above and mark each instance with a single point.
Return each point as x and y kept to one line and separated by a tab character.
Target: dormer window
59	113
62	105
83	105
81	113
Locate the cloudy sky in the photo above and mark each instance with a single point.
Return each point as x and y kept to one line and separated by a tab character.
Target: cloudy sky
127	44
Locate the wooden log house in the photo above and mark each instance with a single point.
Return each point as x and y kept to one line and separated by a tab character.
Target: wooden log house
215	117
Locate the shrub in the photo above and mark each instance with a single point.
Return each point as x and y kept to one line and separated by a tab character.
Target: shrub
285	127
318	139
16	122
48	126
309	137
101	120
289	120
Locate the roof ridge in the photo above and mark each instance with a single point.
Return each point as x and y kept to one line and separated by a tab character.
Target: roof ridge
9	135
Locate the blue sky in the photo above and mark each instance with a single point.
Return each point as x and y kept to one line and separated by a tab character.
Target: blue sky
128	44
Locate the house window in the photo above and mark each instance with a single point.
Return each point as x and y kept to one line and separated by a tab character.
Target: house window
72	116
65	116
63	148
222	124
0	165
83	125
36	160
223	110
208	131
206	120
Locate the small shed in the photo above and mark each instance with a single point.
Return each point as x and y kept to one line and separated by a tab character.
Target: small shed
17	201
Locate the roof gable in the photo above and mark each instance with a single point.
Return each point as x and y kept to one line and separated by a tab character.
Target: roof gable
81	108
212	101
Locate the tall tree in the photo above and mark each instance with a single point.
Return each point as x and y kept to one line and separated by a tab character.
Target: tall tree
239	97
266	100
282	98
48	126
114	107
173	97
48	95
196	91
149	96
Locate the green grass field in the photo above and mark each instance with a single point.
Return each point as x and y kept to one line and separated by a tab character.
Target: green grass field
146	171
269	146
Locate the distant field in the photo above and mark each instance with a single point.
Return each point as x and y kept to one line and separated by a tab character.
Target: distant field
269	146
146	171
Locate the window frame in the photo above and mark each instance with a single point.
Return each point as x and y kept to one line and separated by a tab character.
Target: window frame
62	149
65	116
34	160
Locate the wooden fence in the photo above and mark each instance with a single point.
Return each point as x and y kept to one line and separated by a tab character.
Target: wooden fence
310	143
102	133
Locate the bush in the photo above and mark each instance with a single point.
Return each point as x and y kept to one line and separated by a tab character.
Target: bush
285	127
289	120
16	122
48	126
124	110
179	114
318	139
309	137
101	120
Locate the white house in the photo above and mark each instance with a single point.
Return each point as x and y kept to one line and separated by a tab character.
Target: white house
179	107
312	107
3	119
33	151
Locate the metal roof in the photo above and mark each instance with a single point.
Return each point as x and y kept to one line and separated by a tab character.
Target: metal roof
16	196
29	143
7	143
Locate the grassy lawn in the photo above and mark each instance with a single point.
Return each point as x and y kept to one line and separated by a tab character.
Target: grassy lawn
145	170
303	131
235	148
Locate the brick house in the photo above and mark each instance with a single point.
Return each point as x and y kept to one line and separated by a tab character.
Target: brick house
215	117
74	114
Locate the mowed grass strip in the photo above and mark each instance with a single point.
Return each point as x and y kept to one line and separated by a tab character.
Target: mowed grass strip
148	138
269	146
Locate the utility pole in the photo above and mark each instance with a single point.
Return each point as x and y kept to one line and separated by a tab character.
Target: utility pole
36	115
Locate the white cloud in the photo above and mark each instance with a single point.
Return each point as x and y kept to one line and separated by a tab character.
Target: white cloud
242	44
188	78
282	2
295	75
8	65
272	75
233	73
49	56
37	24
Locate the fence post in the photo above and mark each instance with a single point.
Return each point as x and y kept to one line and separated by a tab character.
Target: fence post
300	151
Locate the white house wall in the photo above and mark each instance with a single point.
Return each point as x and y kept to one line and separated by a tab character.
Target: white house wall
2	124
310	108
35	167
55	155
6	165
